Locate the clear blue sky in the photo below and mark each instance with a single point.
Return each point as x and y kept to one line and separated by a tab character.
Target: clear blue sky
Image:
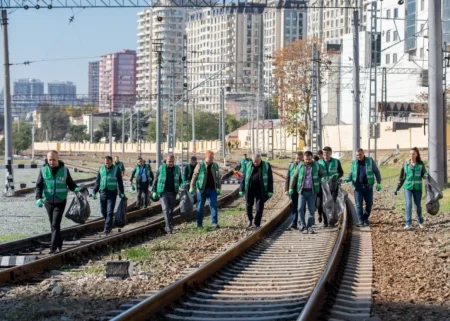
46	34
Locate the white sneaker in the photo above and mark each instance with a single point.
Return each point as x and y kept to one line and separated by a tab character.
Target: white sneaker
421	226
408	227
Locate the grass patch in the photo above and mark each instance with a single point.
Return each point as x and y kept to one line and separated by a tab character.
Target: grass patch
445	202
96	269
139	253
10	237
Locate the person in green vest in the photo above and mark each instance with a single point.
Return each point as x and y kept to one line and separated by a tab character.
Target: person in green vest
362	174
411	176
294	198
119	164
166	186
189	171
207	181
109	178
144	179
332	169
243	162
256	185
306	182
52	186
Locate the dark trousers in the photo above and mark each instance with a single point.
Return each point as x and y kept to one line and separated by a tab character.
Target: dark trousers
142	188
294	209
251	198
107	205
55	213
167	205
319	203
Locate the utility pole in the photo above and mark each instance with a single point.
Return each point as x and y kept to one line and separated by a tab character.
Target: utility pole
373	61
91	127
9	178
437	157
193	126
222	121
158	49
356	101
171	118
314	100
131	127
185	112
123	129
110	127
32	143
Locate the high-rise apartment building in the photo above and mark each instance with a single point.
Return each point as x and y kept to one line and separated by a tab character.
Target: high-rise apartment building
94	81
117	81
160	29
62	88
28	88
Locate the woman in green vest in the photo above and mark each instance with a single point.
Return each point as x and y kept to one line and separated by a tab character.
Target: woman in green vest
411	176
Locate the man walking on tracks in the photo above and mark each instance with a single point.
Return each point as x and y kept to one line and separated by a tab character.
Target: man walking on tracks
243	162
306	182
109	177
144	178
294	198
363	173
256	185
120	164
189	171
206	180
166	186
52	186
332	169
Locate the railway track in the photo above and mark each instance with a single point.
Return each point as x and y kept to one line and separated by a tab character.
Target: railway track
273	274
25	258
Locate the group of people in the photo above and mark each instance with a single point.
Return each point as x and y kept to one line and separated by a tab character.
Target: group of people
303	185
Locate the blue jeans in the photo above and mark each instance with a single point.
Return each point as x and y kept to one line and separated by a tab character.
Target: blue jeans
306	196
107	205
409	195
363	193
201	200
294	209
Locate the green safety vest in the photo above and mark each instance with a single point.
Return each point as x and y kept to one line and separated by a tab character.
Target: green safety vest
120	165
189	167
202	175
163	176
108	178
137	172
292	168
413	179
244	161
369	171
315	177
55	185
332	167
265	175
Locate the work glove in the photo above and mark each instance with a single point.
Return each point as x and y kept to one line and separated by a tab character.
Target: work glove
378	187
121	195
94	196
335	176
241	193
40	203
191	191
155	195
269	195
76	190
219	191
347	180
133	187
395	192
291	191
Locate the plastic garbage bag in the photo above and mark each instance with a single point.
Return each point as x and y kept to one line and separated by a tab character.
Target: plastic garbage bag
79	210
186	201
334	198
121	213
434	194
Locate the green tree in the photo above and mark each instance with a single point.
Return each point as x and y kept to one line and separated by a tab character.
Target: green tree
2	122
78	133
231	123
55	121
22	137
98	135
2	145
103	127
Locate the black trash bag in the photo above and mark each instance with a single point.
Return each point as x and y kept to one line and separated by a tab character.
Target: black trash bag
434	194
334	198
186	201
79	210
121	213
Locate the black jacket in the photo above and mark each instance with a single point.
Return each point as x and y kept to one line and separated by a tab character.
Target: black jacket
40	184
186	176
269	182
119	182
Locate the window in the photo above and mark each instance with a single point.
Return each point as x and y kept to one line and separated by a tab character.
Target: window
410	22
388	13
388	59
395	35
388	36
394	58
395	13
422	5
421	52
